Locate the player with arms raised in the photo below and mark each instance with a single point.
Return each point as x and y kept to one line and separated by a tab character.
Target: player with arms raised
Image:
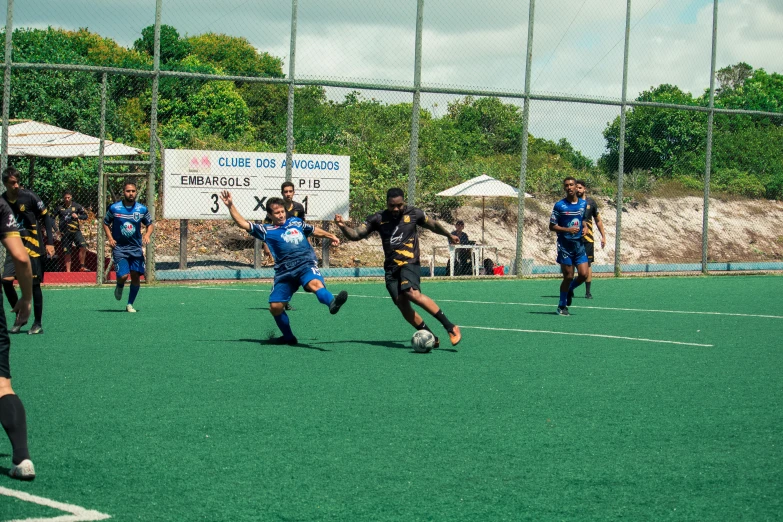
122	225
566	220
295	261
397	226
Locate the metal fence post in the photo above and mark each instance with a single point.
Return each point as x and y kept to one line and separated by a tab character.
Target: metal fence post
289	125
525	126
150	272
414	151
621	159
100	248
9	31
705	227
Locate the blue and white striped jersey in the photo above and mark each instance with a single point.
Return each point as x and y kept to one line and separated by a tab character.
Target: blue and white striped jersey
125	223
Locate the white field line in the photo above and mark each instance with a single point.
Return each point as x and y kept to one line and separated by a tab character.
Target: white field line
685	312
579	334
77	514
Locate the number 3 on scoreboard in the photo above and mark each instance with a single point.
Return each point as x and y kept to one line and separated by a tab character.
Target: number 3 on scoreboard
215	201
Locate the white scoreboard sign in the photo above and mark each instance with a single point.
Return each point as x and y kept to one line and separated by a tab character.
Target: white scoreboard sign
193	180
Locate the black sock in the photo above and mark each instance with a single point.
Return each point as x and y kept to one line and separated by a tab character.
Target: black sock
423	326
587	287
448	325
10	293
14	421
37	303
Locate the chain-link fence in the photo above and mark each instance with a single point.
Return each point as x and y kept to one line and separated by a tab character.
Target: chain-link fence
346	101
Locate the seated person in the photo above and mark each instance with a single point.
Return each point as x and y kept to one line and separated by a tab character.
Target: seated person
462	262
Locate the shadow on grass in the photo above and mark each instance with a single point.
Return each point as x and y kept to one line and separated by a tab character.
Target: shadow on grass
268	342
387	344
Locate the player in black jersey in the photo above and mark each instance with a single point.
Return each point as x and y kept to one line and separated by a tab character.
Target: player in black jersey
12	414
591	214
69	213
27	209
397	227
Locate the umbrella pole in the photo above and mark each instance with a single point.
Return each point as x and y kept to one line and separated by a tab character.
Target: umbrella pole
482	220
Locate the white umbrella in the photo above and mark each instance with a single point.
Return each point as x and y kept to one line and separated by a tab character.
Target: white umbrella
41	140
35	139
484	187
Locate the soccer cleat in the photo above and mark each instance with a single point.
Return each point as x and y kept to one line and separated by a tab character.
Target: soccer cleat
289	308
291	341
337	302
562	310
570	297
118	292
437	343
130	309
455	335
17	328
588	296
23	471
35	329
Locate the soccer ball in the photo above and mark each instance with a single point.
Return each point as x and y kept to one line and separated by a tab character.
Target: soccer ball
423	341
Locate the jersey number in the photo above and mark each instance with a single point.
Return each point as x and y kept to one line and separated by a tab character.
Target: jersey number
315	270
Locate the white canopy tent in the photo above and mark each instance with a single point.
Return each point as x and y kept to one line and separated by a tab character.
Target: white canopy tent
41	140
484	187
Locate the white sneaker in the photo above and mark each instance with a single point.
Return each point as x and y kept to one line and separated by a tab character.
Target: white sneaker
118	292
23	471
130	309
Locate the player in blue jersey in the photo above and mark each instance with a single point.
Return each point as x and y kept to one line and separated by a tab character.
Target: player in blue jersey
295	261
566	220
122	225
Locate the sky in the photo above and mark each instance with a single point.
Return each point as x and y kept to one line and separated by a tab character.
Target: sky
577	45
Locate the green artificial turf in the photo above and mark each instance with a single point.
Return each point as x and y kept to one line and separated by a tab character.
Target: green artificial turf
182	411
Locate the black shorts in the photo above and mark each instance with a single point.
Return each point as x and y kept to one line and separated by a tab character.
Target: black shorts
9	270
5	345
401	279
590	251
72	239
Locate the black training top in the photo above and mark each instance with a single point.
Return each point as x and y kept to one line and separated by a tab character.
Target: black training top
27	209
399	236
65	215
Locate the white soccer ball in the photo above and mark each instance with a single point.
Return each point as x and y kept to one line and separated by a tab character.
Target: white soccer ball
423	341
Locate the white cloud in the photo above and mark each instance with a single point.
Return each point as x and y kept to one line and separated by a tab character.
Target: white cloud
578	46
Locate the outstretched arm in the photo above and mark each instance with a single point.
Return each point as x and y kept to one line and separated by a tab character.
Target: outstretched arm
318	232
235	215
353	234
438	228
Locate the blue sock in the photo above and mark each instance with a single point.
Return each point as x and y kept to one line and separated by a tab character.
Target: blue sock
284	324
134	289
324	296
563	297
574	284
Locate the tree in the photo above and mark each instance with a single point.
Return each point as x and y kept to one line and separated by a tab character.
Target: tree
733	76
172	47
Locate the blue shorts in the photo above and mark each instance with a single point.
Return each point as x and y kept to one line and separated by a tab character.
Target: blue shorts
288	282
126	264
571	255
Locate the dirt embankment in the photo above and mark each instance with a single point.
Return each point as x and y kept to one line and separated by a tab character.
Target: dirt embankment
659	230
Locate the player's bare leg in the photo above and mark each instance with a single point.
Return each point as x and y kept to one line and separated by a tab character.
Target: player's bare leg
434	310
67	259
82	258
412	316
